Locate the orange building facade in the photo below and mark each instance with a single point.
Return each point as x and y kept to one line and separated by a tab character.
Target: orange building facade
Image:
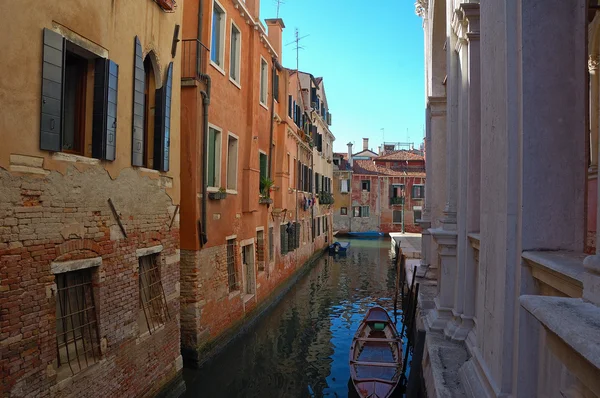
250	217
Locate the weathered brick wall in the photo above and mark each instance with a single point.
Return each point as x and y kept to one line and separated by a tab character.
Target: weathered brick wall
61	217
209	309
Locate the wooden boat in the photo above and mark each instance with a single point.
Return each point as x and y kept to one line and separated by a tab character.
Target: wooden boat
376	356
366	234
339	248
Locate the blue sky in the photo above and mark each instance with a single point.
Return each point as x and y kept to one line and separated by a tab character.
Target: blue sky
370	55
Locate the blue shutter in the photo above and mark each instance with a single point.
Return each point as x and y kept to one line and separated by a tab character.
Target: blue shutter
52	91
162	123
139	81
104	122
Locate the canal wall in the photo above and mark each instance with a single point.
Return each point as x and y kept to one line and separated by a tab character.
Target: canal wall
217	317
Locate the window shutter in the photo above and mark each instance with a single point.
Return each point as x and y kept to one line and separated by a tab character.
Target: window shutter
104	121
276	87
320	143
162	123
139	82
289	105
52	89
317	182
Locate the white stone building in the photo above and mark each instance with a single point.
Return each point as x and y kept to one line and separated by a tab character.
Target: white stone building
509	125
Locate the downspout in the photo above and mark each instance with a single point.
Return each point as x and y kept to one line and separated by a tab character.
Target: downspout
205	104
271	125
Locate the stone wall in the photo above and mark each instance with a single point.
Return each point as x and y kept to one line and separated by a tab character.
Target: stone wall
53	218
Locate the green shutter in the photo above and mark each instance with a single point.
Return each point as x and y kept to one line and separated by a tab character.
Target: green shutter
211	158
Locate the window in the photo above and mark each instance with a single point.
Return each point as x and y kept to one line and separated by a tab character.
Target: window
397	216
396	190
214	158
235	53
418	191
365	185
149	106
231	271
417	213
218	35
232	156
77	339
344	211
260	249
283	236
264	81
264	164
318	226
271	244
153	303
344	186
360	211
72	78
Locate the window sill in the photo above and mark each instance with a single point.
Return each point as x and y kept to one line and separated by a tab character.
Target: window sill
573	321
475	239
146	335
231	191
234	294
69	157
263	105
217	67
212	189
248	297
147	170
562	271
235	82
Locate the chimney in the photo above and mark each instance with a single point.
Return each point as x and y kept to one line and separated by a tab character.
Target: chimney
365	144
275	28
350	153
379	150
254	8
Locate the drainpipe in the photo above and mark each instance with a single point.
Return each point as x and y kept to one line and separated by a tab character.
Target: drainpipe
271	125
205	104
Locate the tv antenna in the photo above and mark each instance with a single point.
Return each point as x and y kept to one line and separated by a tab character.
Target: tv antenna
279	3
298	47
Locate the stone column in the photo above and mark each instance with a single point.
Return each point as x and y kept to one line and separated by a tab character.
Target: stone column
593	63
425	221
469	170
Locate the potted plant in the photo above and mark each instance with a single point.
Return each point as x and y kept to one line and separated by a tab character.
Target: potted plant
220	194
266	184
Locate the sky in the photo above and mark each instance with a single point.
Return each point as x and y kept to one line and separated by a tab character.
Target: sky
370	55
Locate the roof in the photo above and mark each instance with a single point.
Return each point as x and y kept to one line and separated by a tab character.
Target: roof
401	155
363	151
370	168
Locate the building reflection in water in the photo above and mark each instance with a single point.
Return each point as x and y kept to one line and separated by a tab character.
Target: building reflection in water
300	348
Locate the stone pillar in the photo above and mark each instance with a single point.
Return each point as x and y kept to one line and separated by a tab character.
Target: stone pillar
425	221
436	158
439	316
469	170
593	63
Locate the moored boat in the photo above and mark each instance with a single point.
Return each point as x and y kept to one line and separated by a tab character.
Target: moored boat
376	356
339	248
366	234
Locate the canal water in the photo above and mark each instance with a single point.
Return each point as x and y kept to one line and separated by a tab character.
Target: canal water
300	347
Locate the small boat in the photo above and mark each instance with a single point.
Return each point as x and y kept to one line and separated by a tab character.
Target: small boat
376	356
338	248
366	234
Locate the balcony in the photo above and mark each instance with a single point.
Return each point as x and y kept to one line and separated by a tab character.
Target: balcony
194	59
396	201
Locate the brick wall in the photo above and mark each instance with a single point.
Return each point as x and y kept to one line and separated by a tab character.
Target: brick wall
62	217
209	309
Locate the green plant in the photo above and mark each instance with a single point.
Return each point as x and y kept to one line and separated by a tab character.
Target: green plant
265	187
222	190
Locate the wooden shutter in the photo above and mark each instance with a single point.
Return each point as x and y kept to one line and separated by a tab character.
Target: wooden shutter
317	182
52	91
139	82
276	87
162	123
289	105
104	121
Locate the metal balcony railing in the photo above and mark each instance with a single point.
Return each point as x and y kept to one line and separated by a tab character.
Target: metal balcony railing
397	200
194	59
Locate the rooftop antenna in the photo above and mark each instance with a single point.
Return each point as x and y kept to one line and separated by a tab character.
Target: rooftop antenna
279	3
298	47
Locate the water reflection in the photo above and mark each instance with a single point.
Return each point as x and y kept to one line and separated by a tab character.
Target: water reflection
300	349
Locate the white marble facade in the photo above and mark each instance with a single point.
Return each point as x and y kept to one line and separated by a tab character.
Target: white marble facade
507	138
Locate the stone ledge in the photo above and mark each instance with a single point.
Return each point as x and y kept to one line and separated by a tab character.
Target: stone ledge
561	270
475	239
60	267
149	250
574	321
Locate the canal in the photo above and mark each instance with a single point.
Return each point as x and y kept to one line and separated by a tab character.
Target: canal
300	347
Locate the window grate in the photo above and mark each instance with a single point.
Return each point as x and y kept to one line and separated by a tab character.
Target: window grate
77	338
260	250
152	294
231	275
271	244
